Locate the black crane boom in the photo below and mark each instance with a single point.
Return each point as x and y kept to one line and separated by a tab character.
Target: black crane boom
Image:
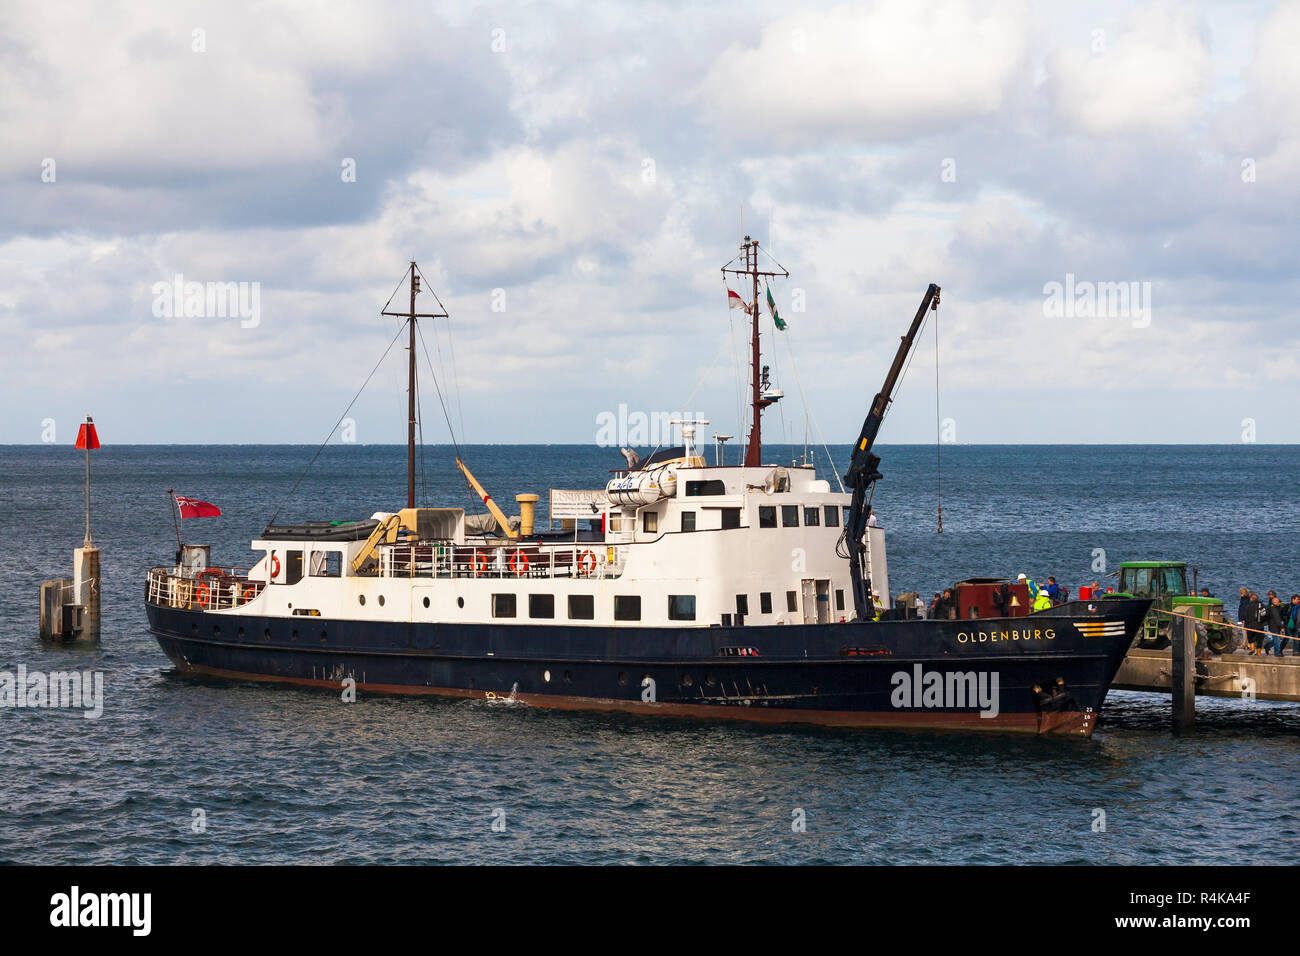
864	466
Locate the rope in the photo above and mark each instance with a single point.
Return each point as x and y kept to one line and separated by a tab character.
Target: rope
294	489
938	428
1235	627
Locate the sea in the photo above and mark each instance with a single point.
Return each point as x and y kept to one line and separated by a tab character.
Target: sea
185	770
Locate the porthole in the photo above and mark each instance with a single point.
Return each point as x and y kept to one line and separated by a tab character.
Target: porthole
294	635
381	600
687	681
241	632
361	599
546	676
622	677
471	683
216	630
460	602
324	637
426	602
194	627
267	633
708	679
568	677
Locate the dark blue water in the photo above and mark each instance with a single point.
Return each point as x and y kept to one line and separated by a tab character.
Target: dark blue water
292	775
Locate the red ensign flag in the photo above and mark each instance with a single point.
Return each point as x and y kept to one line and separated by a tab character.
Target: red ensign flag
86	436
193	508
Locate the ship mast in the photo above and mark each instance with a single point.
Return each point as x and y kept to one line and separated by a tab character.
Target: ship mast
411	317
754	448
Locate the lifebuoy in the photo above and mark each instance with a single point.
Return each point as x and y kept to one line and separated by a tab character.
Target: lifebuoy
202	593
518	563
480	563
275	565
583	567
250	592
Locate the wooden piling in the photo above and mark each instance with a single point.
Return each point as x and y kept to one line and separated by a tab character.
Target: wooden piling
1183	674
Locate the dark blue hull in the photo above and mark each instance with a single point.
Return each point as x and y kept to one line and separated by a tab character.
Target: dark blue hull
1037	674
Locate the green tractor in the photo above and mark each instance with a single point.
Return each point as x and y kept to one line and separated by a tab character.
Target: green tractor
1165	582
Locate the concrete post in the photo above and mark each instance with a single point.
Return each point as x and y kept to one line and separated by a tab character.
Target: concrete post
1183	673
85	588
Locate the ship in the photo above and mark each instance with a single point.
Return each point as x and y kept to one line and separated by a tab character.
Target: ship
750	591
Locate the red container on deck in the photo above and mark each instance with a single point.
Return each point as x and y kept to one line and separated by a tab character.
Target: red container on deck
975	598
1085	593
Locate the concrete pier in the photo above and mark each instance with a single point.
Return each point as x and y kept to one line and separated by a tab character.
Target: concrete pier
1231	675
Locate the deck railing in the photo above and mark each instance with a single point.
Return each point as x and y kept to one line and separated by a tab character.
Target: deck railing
504	561
213	589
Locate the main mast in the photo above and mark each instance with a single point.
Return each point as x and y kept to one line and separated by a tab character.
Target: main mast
410	317
754	447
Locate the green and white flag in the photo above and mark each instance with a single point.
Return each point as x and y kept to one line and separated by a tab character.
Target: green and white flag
771	307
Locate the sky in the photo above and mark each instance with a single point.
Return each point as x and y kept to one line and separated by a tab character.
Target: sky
571	177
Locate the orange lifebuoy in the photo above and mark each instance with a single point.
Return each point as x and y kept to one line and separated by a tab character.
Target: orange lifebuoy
518	563
202	593
583	566
275	565
480	563
250	592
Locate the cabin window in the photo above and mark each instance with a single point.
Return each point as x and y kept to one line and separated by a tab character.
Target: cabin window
767	516
292	567
742	603
730	518
582	607
789	516
700	489
326	564
681	607
791	600
811	517
832	516
650	522
541	605
765	602
839	599
503	605
627	607
688	520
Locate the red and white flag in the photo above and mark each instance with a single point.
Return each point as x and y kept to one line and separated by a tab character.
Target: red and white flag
736	302
87	437
193	508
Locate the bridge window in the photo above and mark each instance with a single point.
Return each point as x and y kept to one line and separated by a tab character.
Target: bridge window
700	489
765	602
503	605
582	607
688	520
811	517
627	607
767	516
789	516
541	605
681	607
730	518
326	564
832	516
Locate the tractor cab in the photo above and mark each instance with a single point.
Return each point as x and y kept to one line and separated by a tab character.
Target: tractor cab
1151	579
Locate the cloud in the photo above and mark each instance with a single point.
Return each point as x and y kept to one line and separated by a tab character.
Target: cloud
1153	76
866	74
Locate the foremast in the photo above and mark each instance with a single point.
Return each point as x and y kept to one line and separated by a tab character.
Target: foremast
411	316
749	250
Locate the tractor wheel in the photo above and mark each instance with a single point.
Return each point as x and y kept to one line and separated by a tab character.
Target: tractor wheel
1222	640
